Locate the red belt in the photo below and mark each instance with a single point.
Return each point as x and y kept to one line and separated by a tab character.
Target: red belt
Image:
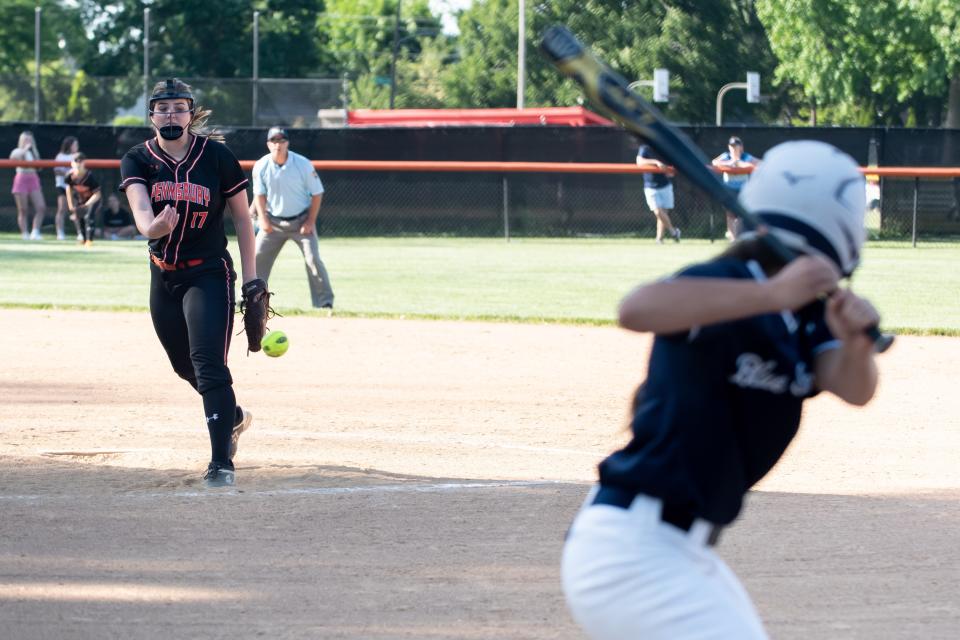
168	266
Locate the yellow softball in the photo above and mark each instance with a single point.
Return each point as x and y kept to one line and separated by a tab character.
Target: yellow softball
275	344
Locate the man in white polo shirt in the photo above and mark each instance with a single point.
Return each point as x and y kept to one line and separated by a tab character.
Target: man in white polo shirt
287	193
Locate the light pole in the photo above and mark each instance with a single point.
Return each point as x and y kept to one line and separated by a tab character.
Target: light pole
146	65
660	84
752	86
256	65
393	60
36	64
521	53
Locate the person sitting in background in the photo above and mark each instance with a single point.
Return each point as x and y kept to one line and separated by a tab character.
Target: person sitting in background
83	197
117	221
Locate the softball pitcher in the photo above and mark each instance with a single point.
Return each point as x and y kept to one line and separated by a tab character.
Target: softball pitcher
740	342
177	184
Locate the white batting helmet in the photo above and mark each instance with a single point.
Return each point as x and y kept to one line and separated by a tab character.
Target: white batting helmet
812	196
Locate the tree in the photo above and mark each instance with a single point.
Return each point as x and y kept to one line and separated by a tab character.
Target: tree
704	44
293	43
863	63
419	77
361	38
212	39
58	24
944	20
485	75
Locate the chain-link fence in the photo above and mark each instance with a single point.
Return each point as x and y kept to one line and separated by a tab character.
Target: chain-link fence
78	98
920	210
585	205
486	204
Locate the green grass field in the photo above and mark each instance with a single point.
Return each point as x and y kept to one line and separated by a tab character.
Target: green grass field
528	280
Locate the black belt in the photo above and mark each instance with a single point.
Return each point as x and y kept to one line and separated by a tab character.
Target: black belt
289	218
679	517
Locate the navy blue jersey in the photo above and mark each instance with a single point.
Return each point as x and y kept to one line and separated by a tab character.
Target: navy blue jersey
198	186
652	180
720	404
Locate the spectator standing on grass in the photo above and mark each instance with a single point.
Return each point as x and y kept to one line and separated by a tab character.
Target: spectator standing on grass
735	157
83	198
658	190
117	221
26	188
68	149
287	194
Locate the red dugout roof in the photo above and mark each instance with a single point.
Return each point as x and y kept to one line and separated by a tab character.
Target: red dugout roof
555	116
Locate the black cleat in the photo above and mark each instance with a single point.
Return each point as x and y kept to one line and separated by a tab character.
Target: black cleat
219	475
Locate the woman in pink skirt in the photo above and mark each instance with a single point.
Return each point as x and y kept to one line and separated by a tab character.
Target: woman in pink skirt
26	187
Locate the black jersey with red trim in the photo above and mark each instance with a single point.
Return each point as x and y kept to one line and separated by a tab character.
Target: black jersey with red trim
197	186
83	188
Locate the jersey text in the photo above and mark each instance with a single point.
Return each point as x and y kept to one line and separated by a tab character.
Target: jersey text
188	191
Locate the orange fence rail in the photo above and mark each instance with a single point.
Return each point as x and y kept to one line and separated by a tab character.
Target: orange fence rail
547	204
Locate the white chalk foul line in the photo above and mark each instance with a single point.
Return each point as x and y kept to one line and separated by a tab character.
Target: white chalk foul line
473	442
294	491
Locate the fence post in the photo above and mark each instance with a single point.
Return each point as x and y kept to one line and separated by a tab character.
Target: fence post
146	66
36	64
256	64
916	191
506	209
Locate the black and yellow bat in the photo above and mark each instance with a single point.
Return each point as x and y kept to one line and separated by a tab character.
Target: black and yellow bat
611	96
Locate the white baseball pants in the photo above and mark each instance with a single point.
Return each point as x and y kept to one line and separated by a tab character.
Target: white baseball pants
627	575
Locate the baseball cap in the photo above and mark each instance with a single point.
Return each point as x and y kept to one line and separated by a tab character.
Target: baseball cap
734	140
277	132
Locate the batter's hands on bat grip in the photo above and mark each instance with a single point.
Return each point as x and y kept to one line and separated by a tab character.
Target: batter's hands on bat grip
848	315
163	223
802	281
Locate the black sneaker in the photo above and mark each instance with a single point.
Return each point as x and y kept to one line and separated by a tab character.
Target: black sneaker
676	234
219	475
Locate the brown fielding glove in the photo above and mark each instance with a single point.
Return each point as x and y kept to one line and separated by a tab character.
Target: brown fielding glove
255	307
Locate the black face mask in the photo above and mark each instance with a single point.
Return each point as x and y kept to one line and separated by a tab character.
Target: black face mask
170	132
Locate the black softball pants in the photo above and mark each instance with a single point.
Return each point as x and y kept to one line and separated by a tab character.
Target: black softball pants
192	311
87	220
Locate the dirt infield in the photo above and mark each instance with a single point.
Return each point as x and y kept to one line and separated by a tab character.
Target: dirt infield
408	479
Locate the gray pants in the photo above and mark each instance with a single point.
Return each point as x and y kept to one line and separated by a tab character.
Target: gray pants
268	248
